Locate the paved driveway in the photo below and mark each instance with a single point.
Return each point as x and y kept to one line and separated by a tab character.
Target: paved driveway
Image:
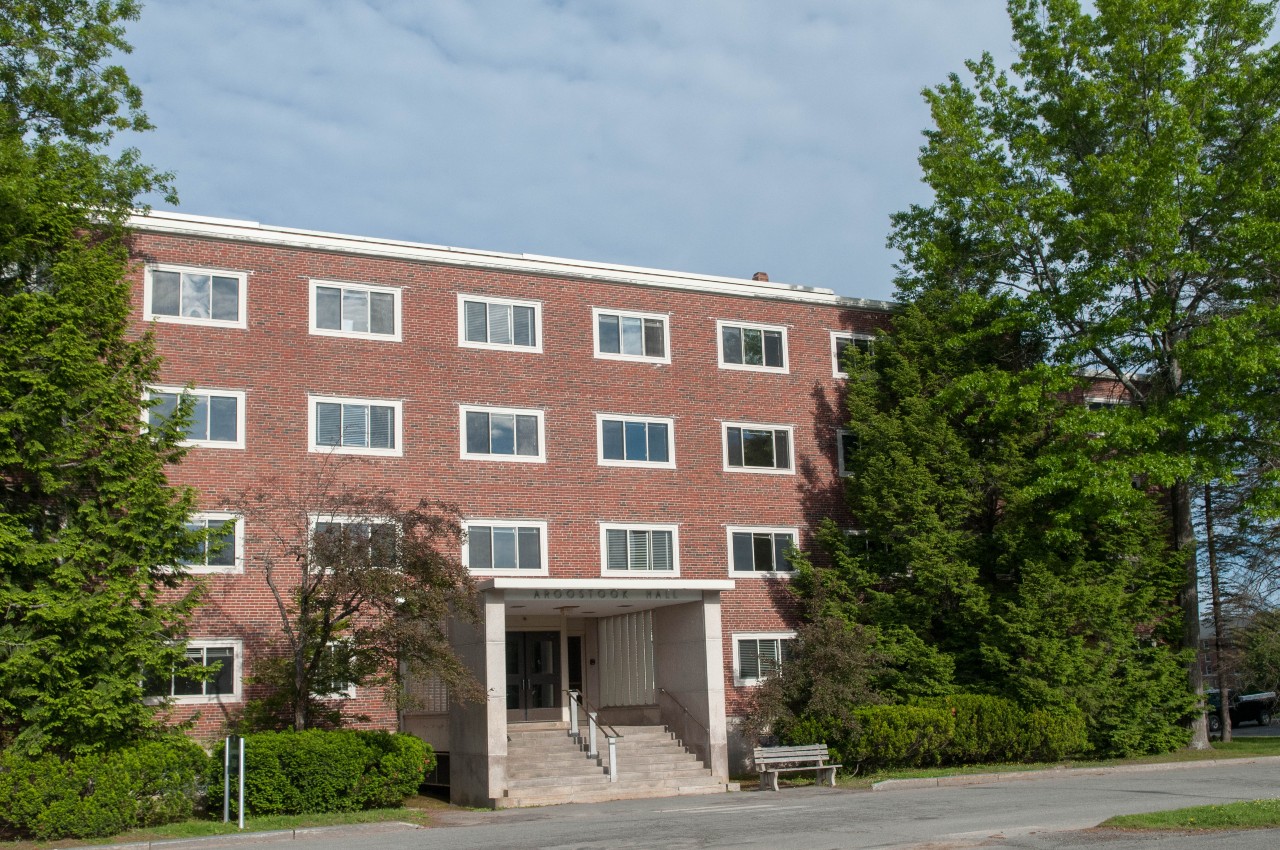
1043	814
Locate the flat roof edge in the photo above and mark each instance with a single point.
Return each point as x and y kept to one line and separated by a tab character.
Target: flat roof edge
183	224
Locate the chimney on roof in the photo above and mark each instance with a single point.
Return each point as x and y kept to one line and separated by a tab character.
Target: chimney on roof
760	276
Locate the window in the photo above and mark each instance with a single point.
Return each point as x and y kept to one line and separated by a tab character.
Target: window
223	550
217	416
846	448
355	426
760	348
758	656
334	673
631	336
352	542
357	310
1096	403
499	323
757	448
840	343
195	296
639	548
498	433
635	441
222	654
760	550
509	545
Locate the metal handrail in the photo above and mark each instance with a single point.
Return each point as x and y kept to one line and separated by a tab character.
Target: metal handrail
576	700
688	716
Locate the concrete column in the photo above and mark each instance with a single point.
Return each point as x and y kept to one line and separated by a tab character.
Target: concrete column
478	730
689	665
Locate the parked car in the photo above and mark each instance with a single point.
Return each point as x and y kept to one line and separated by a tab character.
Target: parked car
1243	708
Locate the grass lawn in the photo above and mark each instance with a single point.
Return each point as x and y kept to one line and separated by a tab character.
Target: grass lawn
417	810
1255	814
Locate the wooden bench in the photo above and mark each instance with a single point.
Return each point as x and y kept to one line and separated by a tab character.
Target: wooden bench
770	761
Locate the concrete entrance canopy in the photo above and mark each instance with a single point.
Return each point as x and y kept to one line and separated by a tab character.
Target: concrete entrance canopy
597	597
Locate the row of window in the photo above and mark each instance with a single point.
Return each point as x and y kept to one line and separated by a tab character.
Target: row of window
520	546
373	427
367	311
756	656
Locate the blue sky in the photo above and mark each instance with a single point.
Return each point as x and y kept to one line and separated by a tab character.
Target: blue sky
716	136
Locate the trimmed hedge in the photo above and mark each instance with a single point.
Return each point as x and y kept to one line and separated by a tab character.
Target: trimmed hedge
101	794
954	730
325	771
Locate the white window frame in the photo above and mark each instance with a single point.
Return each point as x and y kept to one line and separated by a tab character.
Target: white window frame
316	448
463	342
842	468
605	527
740	682
237	545
759	426
349	692
540	524
152	316
670	463
759	529
836	337
540	457
394	291
784	369
665	318
238	395
237	672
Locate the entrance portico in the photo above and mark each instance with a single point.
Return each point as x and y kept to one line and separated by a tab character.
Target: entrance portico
641	651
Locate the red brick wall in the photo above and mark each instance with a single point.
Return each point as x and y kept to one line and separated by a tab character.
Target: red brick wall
277	362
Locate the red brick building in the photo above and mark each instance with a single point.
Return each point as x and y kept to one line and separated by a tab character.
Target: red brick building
632	449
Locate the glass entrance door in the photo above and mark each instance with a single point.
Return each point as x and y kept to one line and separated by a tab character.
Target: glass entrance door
533	676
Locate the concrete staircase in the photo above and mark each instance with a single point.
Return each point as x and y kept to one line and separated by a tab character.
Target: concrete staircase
546	766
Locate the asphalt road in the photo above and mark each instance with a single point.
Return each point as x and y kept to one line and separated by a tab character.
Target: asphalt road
1045	814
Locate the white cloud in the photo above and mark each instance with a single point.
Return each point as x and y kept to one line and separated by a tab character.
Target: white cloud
720	136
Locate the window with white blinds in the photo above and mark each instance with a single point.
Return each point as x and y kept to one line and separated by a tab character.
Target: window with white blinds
355	426
758	656
639	548
485	322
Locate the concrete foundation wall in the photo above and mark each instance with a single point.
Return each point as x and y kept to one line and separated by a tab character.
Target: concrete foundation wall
478	730
689	666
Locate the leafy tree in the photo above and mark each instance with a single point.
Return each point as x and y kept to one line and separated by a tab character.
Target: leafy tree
1006	549
364	588
86	515
1120	185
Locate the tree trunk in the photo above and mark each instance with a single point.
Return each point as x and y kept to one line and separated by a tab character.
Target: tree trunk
299	691
1184	542
1220	667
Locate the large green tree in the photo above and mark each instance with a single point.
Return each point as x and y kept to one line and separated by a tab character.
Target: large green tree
1120	184
87	519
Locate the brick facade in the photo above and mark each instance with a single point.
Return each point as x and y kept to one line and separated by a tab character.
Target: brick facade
278	363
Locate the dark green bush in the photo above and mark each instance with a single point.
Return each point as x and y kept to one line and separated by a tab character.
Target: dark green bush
325	771
958	729
101	794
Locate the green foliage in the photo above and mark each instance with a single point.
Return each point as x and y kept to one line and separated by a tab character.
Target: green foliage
325	771
955	730
100	794
88	522
1260	644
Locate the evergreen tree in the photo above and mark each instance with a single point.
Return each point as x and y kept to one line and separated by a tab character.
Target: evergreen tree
88	522
1120	185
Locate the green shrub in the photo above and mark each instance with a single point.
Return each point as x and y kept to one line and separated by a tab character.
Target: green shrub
101	794
325	771
879	736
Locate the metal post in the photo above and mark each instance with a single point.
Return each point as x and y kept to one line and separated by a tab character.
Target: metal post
591	742
573	713
613	759
226	779
242	782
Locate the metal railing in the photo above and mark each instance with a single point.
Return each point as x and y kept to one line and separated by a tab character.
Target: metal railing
576	701
700	750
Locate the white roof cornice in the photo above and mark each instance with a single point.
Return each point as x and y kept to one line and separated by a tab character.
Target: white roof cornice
204	227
